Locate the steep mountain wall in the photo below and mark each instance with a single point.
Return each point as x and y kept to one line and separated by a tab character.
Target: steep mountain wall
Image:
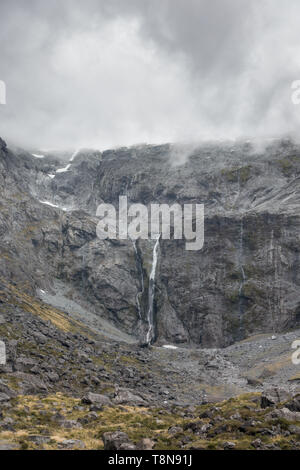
245	280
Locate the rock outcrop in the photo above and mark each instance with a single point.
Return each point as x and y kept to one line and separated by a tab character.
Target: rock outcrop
245	280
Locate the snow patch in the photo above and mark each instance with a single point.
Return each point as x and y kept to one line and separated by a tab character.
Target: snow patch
63	170
51	176
169	346
53	205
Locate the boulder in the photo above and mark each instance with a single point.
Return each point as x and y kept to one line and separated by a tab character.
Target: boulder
72	444
6	445
6	390
285	413
273	397
127	397
71	424
257	443
294	403
7	424
253	382
229	445
175	430
294	430
30	384
127	446
39	439
4	397
96	399
114	440
146	444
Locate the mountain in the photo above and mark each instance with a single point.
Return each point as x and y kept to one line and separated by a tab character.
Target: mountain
245	279
75	310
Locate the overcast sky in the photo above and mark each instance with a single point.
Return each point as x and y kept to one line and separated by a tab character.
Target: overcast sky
104	73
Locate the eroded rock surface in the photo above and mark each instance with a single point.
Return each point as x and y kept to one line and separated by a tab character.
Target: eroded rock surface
245	280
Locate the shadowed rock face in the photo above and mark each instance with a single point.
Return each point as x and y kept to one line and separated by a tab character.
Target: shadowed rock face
244	281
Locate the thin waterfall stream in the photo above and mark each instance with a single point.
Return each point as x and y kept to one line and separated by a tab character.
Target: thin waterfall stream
152	283
243	280
139	295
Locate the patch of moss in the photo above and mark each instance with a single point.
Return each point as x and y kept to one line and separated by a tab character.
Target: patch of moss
232	296
288	165
234	175
252	291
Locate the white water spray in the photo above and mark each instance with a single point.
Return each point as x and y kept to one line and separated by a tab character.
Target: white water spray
152	279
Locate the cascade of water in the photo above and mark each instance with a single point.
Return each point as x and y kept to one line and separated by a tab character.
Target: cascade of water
139	295
275	300
238	189
243	280
152	280
74	155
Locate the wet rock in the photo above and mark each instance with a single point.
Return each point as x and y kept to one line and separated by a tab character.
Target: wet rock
147	175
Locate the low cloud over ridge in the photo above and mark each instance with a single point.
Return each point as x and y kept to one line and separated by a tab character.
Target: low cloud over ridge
104	74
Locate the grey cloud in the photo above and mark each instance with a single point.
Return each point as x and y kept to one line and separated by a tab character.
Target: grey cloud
105	73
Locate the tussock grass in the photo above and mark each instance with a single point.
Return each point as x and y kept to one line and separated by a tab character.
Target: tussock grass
35	415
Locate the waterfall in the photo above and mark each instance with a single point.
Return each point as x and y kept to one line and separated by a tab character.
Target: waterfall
241	253
274	298
74	155
139	295
152	280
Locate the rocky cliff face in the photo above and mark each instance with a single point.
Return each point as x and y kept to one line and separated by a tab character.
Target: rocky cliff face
244	281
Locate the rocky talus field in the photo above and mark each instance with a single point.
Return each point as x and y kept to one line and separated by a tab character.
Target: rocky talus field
74	310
